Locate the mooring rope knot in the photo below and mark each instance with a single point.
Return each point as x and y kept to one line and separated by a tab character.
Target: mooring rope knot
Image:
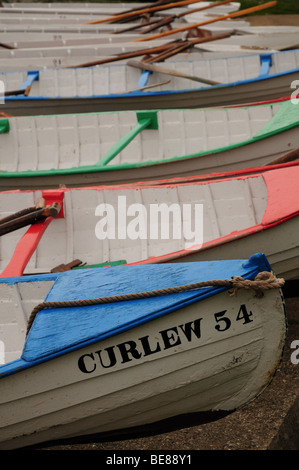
263	281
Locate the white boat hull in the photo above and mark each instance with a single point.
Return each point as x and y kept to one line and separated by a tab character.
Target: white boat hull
67	150
280	245
117	87
74	395
272	88
240	215
249	156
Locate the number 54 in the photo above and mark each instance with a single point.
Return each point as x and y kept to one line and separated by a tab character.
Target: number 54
224	323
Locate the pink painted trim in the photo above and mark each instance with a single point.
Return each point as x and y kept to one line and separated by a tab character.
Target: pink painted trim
283	194
256	103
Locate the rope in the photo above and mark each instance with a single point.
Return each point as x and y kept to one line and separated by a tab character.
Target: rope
263	281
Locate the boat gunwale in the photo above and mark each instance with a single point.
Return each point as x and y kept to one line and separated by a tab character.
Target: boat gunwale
96	168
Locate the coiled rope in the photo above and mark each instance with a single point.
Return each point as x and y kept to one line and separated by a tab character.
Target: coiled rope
263	281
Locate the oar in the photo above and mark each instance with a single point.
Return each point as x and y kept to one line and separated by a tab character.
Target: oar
28	216
166	54
138	26
212	5
145	10
159	69
203	23
170	19
186	44
146	87
147	119
152	50
6	46
127	55
151	26
180	47
137	9
30	240
287	157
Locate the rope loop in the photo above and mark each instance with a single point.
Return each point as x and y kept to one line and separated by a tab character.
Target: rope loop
263	281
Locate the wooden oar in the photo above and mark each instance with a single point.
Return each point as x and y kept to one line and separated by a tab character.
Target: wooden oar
159	69
145	87
203	23
145	10
28	216
126	55
286	158
138	26
212	5
137	9
151	26
152	50
180	47
6	46
168	53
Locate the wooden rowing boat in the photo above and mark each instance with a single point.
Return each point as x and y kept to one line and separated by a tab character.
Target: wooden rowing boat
109	369
221	51
108	45
101	9
220	216
175	16
108	88
245	37
126	147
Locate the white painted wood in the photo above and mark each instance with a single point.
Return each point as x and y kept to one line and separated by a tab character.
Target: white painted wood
102	9
255	41
55	400
76	22
75	51
227	205
45	142
17	302
110	79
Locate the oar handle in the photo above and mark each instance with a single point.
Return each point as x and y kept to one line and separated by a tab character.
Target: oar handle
158	69
28	216
145	10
